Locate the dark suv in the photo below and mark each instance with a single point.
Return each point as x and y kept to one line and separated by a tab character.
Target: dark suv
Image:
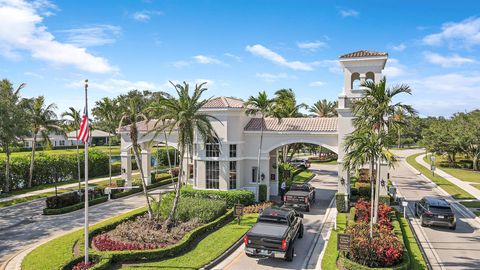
435	211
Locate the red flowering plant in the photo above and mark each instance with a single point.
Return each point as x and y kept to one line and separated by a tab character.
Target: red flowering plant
103	242
83	266
362	210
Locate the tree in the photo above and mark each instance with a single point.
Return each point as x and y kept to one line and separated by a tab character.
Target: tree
106	111
133	105
375	112
12	122
261	106
440	137
467	134
324	108
73	123
42	120
183	115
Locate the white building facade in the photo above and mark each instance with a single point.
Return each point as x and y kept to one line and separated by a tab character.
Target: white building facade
231	163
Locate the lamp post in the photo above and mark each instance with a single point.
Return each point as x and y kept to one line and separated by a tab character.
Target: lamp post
433	158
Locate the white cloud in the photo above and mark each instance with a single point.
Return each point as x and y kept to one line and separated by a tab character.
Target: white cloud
312	46
202	59
349	13
316	84
269	77
95	35
113	85
447	61
236	57
454	83
33	74
145	15
400	47
274	57
332	65
209	84
22	30
393	68
462	34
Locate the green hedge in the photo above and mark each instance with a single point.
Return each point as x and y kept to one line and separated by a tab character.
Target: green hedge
232	197
71	208
262	193
117	195
190	208
340	202
384	199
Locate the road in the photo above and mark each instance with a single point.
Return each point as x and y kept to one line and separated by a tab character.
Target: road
23	226
325	183
446	249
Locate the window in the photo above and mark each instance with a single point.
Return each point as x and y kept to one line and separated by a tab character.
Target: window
213	148
233	150
254	174
212	174
62	143
233	175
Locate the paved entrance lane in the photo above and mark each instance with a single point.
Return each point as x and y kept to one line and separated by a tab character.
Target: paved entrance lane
326	185
446	249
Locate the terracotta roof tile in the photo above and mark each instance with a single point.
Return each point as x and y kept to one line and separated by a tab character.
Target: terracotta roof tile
363	53
317	124
223	102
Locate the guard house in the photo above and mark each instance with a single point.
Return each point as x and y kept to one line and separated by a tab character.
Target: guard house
231	163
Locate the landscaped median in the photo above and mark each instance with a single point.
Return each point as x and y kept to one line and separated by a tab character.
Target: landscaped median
452	189
203	231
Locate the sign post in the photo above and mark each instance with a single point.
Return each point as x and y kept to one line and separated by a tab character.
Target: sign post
343	241
238	212
405	205
433	158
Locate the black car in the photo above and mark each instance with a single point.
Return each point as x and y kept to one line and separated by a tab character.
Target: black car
300	196
435	211
274	234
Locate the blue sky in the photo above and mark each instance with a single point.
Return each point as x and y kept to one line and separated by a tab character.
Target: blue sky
240	47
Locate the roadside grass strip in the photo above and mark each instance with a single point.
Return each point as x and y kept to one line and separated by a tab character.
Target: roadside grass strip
209	248
417	262
303	177
452	189
462	174
329	261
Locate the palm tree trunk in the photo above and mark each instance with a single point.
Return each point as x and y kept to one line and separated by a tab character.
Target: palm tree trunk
398	142
260	150
377	191
109	160
32	160
168	155
171	217
475	162
7	169
78	163
372	183
139	165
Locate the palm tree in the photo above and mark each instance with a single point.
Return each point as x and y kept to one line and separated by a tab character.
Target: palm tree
42	120
375	112
74	124
324	108
133	105
106	110
261	106
12	122
182	114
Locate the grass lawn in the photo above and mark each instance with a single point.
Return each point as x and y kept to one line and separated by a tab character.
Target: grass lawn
416	257
302	177
329	261
455	191
462	174
333	162
206	250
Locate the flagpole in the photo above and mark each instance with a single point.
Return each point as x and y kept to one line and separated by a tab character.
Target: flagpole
86	178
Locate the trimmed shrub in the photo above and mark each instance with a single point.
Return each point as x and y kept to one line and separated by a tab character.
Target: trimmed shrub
262	193
231	197
340	199
385	199
63	200
71	208
189	208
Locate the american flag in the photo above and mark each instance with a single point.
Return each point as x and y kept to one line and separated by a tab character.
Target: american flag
83	133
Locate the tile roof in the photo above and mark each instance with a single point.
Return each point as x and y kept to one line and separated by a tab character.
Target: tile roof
318	124
363	53
96	133
223	102
141	126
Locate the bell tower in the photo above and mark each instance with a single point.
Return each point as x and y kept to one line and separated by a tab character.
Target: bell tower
357	67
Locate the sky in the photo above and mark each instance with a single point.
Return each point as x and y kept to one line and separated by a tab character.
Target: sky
240	47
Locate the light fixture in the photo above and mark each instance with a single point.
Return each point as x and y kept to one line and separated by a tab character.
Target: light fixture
262	176
342	181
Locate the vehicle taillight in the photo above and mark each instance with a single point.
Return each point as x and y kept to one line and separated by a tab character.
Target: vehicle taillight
284	245
429	214
306	200
284	197
245	240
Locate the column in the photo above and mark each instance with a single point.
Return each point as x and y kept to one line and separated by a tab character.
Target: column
146	159
384	177
126	160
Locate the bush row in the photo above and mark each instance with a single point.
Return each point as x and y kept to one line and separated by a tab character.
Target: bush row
231	197
71	198
116	194
189	208
71	208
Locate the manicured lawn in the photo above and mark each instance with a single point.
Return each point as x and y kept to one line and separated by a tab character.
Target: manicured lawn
329	261
35	188
332	162
462	174
455	191
206	250
302	177
416	257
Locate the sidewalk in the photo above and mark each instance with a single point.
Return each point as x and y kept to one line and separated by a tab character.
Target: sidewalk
461	184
